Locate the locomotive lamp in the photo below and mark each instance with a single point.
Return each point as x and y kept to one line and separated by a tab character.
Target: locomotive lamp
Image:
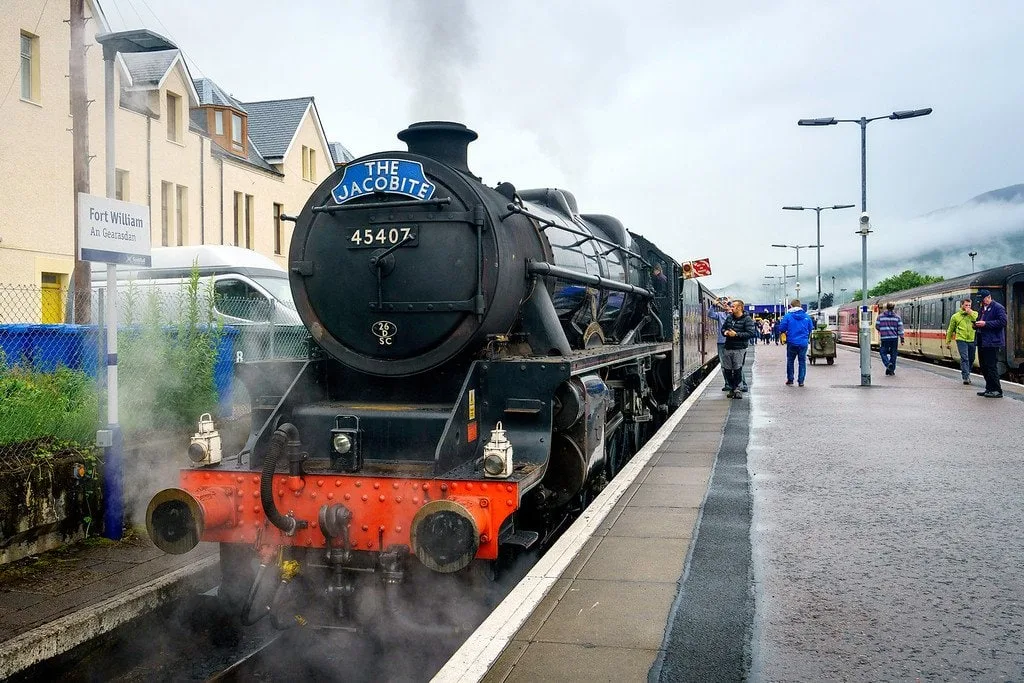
498	454
204	448
345	443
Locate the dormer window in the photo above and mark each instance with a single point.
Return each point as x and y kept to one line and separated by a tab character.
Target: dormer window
228	127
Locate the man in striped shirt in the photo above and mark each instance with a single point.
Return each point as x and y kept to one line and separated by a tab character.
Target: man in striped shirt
890	333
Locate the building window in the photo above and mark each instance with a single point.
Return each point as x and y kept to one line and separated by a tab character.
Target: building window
243	219
278	210
181	227
308	163
236	131
249	217
29	67
218	123
239	209
166	211
173	117
121	185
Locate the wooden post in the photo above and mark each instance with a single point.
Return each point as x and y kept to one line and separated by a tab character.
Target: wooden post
80	153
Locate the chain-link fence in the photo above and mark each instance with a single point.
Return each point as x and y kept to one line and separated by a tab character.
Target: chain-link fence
177	349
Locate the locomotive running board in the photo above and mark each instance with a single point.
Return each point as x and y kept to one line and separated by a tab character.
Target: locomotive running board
592	359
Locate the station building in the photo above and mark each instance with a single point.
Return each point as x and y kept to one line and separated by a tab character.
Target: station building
212	169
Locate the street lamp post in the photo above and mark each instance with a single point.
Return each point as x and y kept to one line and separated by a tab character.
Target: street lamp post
833	290
864	336
842	291
139	40
972	254
817	210
784	277
798	247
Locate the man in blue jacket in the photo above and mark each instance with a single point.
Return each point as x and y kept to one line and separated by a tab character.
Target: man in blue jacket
797	325
991	337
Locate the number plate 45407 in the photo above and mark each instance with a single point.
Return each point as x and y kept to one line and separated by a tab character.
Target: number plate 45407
374	238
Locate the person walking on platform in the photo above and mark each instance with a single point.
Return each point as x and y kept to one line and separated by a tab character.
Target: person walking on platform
797	327
766	331
738	329
890	334
961	327
991	329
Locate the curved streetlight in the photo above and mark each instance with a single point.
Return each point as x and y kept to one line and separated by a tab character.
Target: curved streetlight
817	210
972	254
864	330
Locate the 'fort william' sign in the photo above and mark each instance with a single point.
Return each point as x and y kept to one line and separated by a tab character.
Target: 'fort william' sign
112	231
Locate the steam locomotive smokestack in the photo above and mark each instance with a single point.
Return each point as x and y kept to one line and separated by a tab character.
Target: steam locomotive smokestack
445	141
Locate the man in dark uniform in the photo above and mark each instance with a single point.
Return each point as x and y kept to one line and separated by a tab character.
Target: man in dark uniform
991	337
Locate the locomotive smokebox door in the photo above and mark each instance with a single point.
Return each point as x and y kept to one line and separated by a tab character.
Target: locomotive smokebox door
398	257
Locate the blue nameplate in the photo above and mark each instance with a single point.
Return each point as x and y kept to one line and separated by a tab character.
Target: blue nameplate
393	176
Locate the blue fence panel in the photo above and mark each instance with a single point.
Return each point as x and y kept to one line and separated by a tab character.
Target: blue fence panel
224	367
46	347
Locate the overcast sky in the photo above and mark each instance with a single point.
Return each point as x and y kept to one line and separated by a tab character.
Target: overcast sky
677	117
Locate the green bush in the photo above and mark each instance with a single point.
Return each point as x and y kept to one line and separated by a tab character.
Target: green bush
166	368
63	404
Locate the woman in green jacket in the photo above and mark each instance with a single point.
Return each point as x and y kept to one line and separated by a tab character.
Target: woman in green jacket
961	327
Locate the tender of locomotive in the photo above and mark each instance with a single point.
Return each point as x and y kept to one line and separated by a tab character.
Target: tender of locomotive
486	359
926	311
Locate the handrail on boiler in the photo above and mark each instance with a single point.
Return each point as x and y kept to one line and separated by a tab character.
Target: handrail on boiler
544	268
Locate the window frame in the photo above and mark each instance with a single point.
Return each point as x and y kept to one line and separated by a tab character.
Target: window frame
218	122
172	106
181	214
166	207
29	72
122	187
237	128
278	232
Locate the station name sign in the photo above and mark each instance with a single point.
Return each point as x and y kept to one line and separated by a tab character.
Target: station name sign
112	231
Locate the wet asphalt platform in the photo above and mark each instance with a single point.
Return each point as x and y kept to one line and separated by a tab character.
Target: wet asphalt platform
830	532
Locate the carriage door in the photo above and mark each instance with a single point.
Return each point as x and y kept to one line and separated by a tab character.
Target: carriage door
913	335
949	307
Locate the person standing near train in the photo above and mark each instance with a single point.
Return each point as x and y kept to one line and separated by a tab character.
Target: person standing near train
890	334
738	329
991	329
961	328
797	327
723	312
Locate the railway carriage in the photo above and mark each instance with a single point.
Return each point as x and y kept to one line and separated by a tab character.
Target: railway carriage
926	312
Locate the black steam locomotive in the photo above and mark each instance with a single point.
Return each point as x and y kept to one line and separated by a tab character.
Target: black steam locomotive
487	359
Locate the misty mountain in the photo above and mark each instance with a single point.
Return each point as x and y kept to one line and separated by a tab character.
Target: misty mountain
936	243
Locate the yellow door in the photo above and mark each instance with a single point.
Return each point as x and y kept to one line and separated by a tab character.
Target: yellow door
52	301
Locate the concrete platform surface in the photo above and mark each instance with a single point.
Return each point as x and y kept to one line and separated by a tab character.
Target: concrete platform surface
601	613
58	600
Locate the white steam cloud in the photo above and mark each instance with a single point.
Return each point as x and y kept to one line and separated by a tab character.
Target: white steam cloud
439	49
